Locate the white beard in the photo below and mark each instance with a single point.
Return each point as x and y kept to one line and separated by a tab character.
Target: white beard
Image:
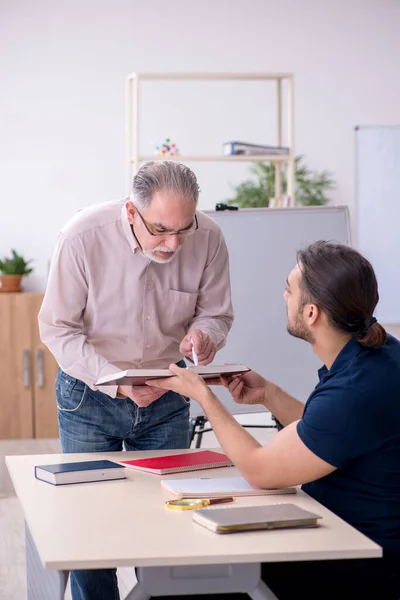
171	255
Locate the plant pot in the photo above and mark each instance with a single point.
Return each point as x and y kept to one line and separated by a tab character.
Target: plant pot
10	283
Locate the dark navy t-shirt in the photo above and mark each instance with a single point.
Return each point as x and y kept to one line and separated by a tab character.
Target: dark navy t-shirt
352	421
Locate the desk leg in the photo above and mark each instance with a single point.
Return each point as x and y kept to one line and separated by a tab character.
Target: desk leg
42	584
200	579
262	592
138	593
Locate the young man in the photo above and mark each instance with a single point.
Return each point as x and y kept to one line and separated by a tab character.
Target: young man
343	446
132	284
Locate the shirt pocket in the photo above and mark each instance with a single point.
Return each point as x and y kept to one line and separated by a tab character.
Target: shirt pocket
181	307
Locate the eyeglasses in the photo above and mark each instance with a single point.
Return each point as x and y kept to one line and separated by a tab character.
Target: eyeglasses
157	232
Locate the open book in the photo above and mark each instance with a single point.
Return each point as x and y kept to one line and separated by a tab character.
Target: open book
140	376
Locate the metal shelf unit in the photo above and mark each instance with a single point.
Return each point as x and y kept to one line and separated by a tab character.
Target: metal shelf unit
134	156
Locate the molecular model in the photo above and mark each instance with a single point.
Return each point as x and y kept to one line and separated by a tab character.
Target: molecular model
167	149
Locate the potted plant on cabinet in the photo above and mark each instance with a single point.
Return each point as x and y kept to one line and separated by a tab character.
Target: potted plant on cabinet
11	272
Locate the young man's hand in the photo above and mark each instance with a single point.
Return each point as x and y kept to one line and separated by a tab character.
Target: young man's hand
249	388
186	382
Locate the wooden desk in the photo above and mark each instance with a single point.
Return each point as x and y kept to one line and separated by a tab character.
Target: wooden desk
125	523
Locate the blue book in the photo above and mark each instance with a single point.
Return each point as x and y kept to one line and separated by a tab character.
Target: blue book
80	472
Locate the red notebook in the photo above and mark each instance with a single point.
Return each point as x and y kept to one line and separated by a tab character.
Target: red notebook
179	463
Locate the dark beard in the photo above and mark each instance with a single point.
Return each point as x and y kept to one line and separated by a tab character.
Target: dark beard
301	332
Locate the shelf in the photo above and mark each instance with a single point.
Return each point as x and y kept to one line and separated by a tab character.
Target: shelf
218	158
283	83
211	76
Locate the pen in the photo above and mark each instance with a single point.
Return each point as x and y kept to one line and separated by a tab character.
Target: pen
195	358
191	503
209	501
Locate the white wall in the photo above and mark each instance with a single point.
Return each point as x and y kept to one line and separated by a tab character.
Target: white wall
63	66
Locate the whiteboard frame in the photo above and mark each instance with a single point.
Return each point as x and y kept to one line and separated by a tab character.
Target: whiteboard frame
357	202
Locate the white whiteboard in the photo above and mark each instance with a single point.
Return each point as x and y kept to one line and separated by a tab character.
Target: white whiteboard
262	246
378	212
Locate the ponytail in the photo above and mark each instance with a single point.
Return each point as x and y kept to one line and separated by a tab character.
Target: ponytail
373	335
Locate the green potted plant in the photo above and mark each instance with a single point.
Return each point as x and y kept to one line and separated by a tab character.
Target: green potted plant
12	270
311	187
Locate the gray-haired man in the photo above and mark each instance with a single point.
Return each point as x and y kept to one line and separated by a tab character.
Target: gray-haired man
131	283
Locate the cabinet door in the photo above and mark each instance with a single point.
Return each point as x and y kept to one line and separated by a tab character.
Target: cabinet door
16	401
44	376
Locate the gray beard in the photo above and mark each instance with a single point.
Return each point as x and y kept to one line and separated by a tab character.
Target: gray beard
161	261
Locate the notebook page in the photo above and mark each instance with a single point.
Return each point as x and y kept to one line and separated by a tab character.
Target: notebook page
212	486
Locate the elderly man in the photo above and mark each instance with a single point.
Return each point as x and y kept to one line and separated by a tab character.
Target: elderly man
133	284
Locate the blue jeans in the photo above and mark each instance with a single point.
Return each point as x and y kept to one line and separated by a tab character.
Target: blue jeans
90	421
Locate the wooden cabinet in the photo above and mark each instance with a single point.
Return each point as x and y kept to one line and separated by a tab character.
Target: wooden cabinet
27	371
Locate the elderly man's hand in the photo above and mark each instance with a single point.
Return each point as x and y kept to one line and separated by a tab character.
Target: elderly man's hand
142	395
203	346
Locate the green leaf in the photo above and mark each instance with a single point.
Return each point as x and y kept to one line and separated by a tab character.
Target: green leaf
311	187
16	265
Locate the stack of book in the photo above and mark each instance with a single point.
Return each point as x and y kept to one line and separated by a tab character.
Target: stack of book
243	148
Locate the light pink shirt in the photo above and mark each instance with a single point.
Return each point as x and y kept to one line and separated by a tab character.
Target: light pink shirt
108	307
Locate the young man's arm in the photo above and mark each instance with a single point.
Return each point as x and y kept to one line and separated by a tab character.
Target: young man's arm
284	461
283	406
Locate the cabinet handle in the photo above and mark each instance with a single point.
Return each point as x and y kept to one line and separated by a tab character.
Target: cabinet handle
40	368
26	369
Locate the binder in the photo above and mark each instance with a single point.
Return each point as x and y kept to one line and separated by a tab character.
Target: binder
236	148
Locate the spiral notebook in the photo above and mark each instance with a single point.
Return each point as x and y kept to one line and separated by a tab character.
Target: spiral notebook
179	463
217	488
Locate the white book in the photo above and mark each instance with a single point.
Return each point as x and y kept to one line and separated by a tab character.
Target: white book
140	376
218	488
